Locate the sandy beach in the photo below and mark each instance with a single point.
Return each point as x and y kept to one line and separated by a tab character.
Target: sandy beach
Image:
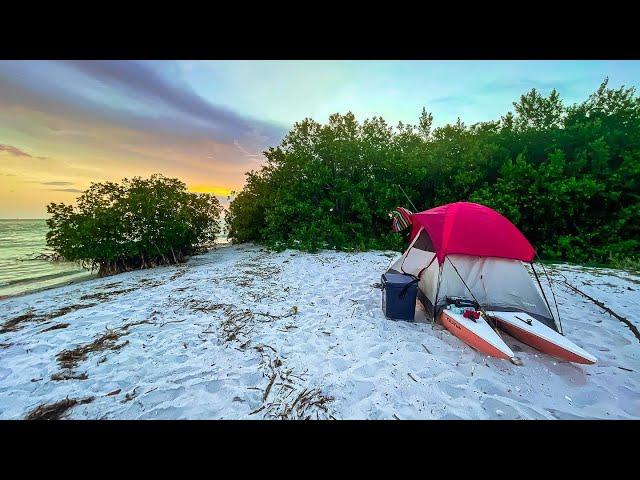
244	333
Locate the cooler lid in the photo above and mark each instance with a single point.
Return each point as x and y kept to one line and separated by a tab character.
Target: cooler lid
396	278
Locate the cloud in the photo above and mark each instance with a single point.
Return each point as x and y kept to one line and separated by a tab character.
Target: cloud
18	152
14	151
140	103
452	100
73	190
60	184
523	85
141	80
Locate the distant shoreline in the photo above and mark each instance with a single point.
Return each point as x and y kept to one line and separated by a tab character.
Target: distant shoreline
82	277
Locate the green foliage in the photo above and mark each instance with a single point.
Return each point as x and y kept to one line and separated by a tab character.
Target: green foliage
567	176
139	223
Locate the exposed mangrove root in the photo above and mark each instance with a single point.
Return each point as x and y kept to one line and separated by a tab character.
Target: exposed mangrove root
48	256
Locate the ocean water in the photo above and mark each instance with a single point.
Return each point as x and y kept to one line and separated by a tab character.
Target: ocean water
20	242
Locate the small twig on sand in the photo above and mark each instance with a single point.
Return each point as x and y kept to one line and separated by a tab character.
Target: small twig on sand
293	311
258	410
262	346
174	321
426	349
626	369
396	417
272	378
412	377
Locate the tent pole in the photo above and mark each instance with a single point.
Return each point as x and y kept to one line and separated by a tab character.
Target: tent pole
543	294
466	286
554	297
435	301
414	207
484	313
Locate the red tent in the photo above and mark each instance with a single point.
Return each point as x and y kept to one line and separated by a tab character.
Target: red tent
472	229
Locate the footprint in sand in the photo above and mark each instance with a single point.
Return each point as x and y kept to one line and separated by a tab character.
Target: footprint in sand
487	387
5	372
213	386
165	413
498	409
370	369
360	389
453	391
160	396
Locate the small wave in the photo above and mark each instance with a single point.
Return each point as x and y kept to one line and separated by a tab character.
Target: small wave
39	278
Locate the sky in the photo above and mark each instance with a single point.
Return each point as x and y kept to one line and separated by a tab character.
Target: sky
64	124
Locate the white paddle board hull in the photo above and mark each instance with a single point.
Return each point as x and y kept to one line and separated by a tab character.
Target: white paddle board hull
537	335
477	334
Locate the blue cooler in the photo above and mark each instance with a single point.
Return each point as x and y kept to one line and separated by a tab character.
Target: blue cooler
399	296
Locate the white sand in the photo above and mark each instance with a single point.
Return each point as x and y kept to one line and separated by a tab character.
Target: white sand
187	362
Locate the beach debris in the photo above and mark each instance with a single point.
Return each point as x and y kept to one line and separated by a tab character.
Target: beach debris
272	378
68	309
69	359
115	392
14	324
260	348
106	295
517	361
130	396
57	326
173	321
181	271
68	374
412	377
56	410
292	311
282	397
425	349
